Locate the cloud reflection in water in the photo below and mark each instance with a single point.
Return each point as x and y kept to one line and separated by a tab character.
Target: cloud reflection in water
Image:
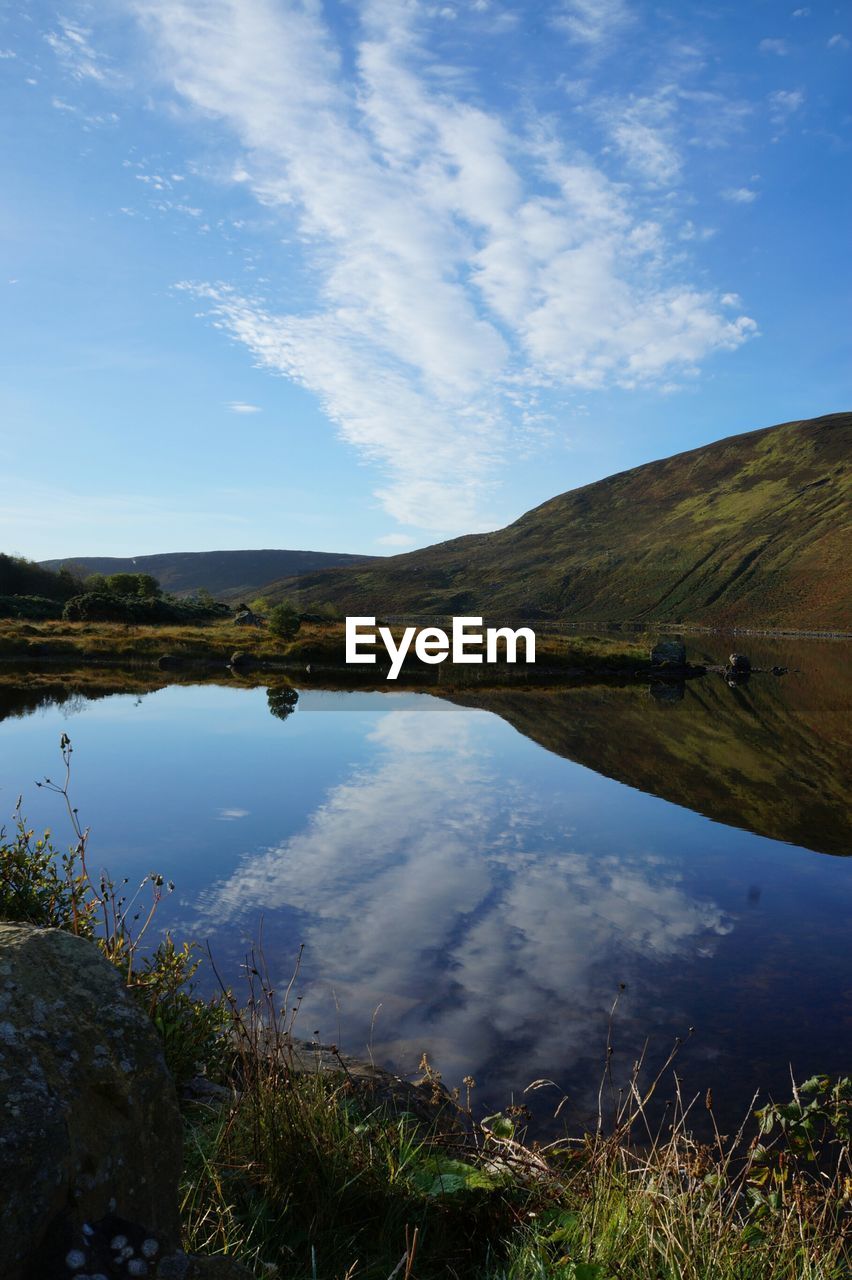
457	898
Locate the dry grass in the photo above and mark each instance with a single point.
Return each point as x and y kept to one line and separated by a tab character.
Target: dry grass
322	643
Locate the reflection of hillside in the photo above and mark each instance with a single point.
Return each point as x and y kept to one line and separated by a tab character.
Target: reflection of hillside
770	756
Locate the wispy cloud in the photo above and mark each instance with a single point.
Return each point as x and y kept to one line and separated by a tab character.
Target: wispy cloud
72	46
739	195
592	22
780	48
643	132
240	406
837	41
395	540
452	862
461	264
784	103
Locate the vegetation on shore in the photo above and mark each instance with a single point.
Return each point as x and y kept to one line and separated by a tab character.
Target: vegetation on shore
319	643
312	1175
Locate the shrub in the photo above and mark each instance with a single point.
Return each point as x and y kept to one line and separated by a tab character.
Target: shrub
105	606
283	621
20	577
36	607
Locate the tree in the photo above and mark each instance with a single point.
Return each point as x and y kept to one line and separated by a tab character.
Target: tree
283	621
133	584
282	701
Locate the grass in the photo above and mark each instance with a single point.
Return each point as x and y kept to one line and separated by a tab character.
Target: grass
317	643
300	1175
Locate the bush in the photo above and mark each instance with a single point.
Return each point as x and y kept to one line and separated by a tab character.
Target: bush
283	621
133	584
105	606
36	607
19	577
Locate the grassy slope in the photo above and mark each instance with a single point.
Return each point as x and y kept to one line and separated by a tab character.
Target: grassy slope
223	573
751	530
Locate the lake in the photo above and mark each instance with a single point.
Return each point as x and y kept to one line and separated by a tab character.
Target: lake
478	873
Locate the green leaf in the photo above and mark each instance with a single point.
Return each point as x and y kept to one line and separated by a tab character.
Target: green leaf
564	1225
441	1176
498	1124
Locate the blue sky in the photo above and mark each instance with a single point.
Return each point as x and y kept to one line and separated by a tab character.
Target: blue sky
360	276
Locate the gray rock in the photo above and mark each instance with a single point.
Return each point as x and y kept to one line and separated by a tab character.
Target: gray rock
739	663
89	1121
668	653
248	619
242	659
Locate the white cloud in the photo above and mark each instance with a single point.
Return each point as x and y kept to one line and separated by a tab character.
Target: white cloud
592	22
642	131
240	406
837	41
453	861
395	540
739	195
785	103
458	261
231	815
73	49
801	13
780	48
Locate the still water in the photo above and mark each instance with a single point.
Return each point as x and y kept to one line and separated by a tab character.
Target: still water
478	873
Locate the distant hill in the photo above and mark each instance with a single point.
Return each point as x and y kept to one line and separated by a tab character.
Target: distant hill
752	530
227	574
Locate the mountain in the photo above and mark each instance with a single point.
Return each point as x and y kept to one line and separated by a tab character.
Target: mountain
753	530
228	574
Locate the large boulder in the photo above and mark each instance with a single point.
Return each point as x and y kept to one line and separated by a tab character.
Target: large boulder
89	1121
740	664
668	653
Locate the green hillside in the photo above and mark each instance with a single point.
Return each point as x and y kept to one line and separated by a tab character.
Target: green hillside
752	530
227	574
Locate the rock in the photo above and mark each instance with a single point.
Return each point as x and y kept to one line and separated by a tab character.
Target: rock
779	671
169	661
668	653
242	659
89	1121
248	619
739	664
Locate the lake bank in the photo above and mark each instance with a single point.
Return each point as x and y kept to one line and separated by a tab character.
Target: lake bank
318	648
